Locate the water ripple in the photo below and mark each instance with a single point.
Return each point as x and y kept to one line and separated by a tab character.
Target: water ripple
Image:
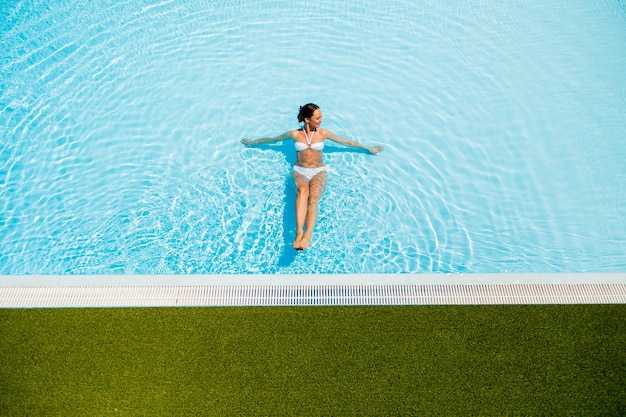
121	125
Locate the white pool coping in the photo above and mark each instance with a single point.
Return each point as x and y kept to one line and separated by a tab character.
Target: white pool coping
70	291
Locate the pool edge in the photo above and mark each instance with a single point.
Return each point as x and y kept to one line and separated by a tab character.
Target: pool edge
73	291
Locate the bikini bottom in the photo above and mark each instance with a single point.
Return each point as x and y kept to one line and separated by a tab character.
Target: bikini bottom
308	173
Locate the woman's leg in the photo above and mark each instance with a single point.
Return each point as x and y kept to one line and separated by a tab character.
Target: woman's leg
315	191
302	197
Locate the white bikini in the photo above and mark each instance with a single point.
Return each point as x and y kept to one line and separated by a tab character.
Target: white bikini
309	173
317	146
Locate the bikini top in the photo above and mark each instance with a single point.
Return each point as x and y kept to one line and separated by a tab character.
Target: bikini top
317	146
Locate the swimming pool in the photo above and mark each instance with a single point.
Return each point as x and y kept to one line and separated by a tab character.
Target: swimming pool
503	128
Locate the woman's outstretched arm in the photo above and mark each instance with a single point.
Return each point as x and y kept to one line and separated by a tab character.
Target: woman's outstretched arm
254	142
347	142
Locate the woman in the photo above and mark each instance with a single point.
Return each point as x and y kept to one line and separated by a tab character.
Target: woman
309	173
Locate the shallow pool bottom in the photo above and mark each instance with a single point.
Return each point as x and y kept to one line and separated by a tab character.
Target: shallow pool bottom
78	291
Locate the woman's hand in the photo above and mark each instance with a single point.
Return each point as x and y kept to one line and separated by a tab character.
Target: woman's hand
247	142
375	149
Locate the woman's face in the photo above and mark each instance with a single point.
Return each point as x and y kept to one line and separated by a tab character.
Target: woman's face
315	120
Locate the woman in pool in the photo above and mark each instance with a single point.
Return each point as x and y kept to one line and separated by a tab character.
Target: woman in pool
309	173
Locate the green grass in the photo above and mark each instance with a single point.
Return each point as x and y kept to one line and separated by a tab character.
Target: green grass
417	360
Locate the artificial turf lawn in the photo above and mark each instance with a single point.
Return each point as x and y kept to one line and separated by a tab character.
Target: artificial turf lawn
414	360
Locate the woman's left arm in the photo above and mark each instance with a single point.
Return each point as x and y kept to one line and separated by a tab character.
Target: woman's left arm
347	142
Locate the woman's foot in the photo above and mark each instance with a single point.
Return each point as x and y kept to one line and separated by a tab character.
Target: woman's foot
304	242
296	241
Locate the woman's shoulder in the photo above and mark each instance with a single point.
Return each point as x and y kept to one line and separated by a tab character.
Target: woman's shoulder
324	133
290	134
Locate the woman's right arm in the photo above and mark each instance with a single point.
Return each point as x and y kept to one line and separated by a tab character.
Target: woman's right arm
254	142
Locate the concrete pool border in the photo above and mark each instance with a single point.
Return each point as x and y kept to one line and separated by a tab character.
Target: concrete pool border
70	291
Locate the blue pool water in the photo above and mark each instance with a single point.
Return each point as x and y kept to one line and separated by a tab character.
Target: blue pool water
503	125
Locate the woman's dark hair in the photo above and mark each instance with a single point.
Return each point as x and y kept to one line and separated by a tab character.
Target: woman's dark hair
307	111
